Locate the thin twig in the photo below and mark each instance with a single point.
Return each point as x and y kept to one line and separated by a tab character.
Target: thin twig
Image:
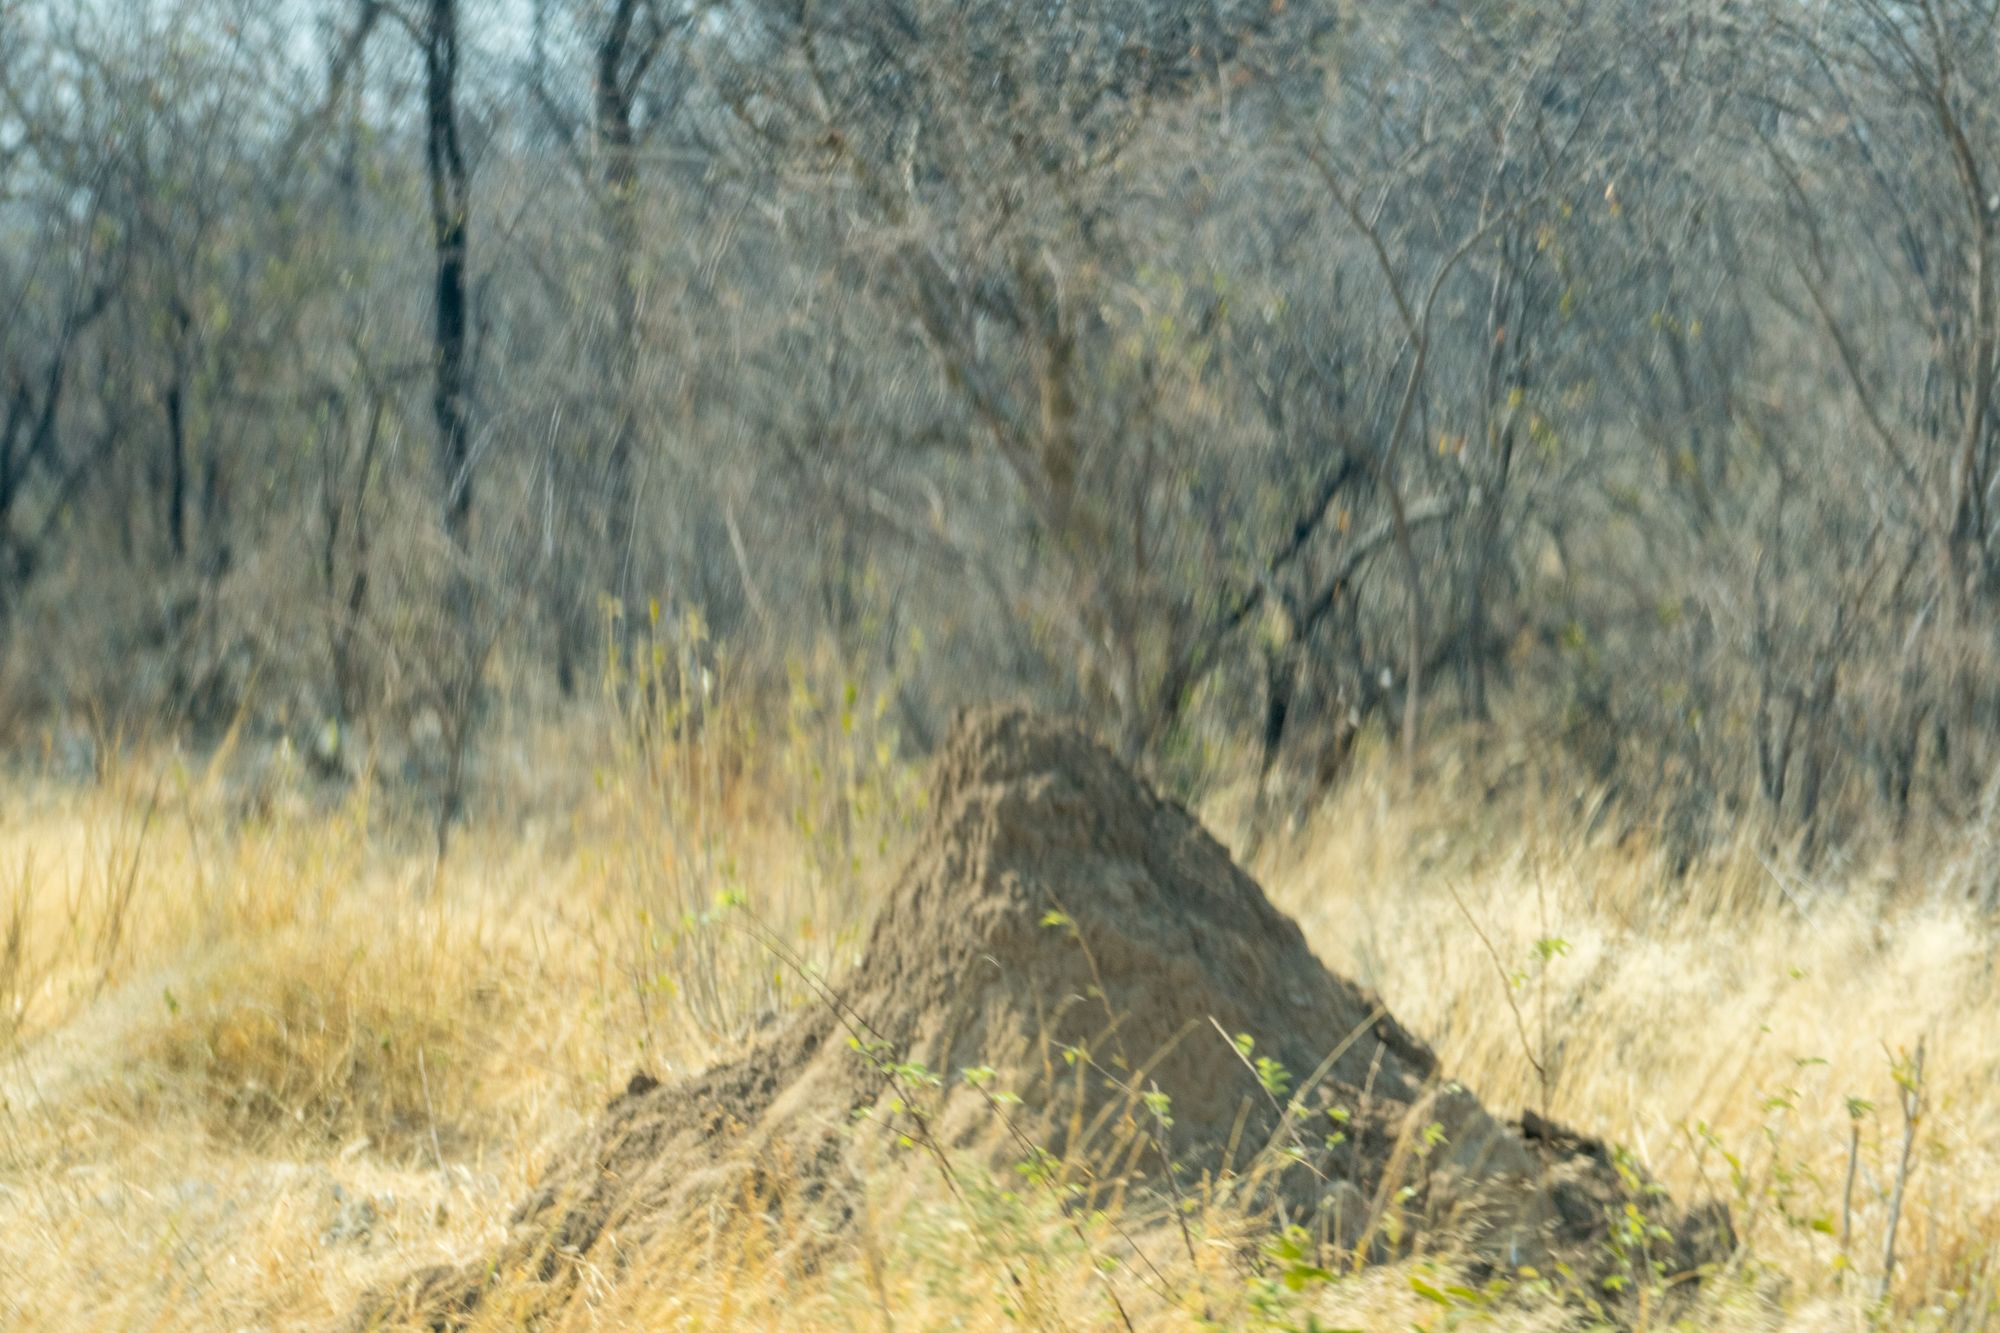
430	1110
1910	1092
1847	1194
1506	990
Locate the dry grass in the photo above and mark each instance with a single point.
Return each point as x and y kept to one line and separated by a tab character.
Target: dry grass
259	1054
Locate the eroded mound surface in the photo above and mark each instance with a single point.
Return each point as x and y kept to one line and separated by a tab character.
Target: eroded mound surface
1082	944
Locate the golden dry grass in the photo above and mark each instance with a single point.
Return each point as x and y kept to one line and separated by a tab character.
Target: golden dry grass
260	1054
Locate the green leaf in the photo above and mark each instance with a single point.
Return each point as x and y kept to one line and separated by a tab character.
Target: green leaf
1299	1276
1429	1293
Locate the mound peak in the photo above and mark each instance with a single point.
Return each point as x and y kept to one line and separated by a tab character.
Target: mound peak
1080	943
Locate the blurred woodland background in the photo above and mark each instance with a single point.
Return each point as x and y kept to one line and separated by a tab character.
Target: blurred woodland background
1255	378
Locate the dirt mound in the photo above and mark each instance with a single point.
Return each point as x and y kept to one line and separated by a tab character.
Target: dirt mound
1066	937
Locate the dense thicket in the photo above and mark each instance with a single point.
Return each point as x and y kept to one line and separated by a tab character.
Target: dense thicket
1279	371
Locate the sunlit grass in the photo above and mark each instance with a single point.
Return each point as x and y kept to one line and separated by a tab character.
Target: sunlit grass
261	1059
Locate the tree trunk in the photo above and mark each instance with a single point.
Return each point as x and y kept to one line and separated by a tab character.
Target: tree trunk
177	443
446	163
616	136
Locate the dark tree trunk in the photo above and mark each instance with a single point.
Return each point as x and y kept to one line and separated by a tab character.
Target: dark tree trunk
177	442
445	160
459	683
